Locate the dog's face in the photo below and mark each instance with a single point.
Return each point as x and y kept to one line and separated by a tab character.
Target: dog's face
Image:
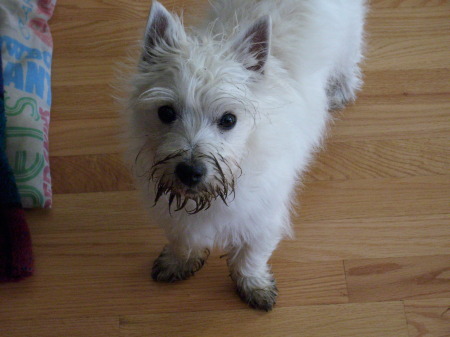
193	109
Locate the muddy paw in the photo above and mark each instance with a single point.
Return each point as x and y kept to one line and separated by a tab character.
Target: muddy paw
170	268
259	298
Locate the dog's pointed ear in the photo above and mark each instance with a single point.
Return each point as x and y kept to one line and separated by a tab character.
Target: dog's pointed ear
162	30
253	45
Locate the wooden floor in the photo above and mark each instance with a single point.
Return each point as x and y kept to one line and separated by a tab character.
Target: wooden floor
372	250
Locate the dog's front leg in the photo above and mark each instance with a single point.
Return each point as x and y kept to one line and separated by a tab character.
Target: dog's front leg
177	262
249	269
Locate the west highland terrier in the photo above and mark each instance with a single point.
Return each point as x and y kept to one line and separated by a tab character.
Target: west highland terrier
223	120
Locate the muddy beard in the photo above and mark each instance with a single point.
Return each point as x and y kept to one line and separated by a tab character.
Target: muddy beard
222	187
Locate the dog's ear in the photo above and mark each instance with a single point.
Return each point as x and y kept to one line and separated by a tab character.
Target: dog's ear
253	45
162	31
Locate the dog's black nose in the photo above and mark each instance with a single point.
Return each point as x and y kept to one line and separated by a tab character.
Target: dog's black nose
190	175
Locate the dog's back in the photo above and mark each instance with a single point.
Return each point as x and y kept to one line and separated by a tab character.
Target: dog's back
307	35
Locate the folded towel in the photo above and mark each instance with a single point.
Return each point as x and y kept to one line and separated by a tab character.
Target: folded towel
26	47
16	258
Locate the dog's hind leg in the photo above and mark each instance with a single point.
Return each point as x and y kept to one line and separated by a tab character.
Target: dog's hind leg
177	263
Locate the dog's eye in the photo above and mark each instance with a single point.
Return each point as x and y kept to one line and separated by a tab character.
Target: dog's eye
227	121
167	114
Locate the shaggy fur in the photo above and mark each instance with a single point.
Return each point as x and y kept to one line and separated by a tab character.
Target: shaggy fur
279	66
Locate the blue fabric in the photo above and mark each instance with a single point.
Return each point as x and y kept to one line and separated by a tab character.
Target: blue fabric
9	195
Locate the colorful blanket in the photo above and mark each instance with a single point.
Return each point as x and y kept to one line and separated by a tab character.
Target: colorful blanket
26	49
16	258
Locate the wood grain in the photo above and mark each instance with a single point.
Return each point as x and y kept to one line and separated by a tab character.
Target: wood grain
372	237
381	159
84	101
371	255
113	267
365	198
52	327
428	318
117	10
90	173
353	320
87	136
393	120
401	278
91	212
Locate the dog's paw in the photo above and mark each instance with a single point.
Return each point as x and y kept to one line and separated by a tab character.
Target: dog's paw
262	298
170	268
342	90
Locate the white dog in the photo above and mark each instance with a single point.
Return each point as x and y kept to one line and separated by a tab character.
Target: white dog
224	118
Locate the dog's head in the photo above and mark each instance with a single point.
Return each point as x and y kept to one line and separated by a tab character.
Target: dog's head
193	108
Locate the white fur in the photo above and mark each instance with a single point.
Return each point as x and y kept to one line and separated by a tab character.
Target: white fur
282	115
